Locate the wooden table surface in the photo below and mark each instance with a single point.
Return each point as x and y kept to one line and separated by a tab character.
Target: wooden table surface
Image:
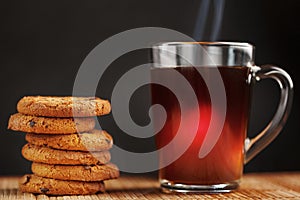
281	185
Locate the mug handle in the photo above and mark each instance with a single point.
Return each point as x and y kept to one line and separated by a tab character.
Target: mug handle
254	145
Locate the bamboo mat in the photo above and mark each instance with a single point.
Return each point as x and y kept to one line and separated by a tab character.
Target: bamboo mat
253	186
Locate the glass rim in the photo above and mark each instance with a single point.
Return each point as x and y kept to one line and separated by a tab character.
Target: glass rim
204	43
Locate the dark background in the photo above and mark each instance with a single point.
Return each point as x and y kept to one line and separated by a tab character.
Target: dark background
43	43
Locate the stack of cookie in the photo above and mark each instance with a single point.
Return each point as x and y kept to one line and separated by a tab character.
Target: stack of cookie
69	156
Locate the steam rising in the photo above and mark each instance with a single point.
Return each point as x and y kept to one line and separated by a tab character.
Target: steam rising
202	19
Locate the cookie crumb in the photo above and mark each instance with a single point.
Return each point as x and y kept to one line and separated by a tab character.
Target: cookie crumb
87	167
25	179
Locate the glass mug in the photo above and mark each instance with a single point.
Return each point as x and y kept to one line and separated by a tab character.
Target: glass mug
206	140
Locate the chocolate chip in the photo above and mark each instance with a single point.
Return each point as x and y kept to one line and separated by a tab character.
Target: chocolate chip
44	190
32	123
